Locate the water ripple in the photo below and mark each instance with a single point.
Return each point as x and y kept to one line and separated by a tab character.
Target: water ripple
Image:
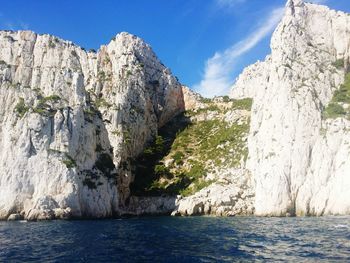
167	239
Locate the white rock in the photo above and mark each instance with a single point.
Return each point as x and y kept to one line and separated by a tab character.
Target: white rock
135	95
300	163
221	199
14	217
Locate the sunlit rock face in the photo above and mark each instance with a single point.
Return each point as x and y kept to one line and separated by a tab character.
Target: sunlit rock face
72	121
298	153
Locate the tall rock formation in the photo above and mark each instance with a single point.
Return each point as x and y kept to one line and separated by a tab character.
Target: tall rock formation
71	122
300	129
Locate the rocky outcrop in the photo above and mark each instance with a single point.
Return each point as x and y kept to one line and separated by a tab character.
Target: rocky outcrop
72	122
151	205
192	100
231	194
299	157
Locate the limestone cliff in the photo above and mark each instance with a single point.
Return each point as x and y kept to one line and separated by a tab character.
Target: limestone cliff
97	134
300	129
71	122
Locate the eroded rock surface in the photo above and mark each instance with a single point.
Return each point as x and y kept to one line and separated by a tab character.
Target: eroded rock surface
71	122
298	146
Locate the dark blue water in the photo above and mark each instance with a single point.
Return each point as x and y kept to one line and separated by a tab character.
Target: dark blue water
167	239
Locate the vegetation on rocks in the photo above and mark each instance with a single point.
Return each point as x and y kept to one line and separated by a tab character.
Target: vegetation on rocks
340	103
101	102
339	63
69	161
21	108
191	147
44	106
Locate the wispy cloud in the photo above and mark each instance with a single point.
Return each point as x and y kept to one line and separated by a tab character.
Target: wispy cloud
11	24
229	3
15	26
318	1
217	77
23	26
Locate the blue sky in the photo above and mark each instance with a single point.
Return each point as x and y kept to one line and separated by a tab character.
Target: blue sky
206	43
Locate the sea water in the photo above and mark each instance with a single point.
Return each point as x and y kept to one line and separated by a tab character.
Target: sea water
178	239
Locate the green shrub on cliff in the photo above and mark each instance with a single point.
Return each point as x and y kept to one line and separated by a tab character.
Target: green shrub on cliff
189	150
21	108
341	96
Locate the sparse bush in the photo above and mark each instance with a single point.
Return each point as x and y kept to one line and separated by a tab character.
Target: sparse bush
127	137
101	76
334	110
159	144
161	170
51	44
178	157
52	98
226	99
342	95
243	104
69	161
206	100
45	109
116	133
101	102
339	63
21	108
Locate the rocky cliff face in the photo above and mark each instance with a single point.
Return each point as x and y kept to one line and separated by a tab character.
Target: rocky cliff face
300	129
86	134
71	122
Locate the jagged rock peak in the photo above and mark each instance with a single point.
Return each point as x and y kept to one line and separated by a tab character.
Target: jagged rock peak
295	3
72	121
293	6
126	35
127	38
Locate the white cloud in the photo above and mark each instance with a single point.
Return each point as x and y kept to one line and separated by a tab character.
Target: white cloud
318	1
229	3
217	77
10	25
23	26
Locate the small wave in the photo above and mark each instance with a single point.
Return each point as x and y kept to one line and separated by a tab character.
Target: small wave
341	226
